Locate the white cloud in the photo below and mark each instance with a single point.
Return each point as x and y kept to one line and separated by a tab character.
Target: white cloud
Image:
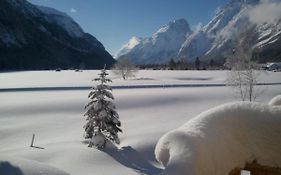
266	11
73	10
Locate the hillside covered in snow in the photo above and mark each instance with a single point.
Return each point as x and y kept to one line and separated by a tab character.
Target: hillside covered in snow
45	38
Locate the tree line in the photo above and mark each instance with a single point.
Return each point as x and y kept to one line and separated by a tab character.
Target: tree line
174	64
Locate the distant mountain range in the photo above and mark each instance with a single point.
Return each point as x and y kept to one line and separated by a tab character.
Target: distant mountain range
215	40
33	37
163	45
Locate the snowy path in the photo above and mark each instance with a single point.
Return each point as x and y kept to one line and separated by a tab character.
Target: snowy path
122	87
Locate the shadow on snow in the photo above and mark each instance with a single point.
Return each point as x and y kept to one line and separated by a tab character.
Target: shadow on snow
130	158
7	169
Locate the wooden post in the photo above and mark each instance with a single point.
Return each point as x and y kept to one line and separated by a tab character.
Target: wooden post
32	140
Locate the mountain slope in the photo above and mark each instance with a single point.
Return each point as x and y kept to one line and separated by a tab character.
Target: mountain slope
134	41
161	47
205	40
217	39
34	37
220	36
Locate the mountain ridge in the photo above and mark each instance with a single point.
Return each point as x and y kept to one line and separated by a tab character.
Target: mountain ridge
220	35
156	47
35	37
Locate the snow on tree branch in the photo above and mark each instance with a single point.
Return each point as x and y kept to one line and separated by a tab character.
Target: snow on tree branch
102	118
124	68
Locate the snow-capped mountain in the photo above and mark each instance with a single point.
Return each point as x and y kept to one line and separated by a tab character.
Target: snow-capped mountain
161	47
221	34
217	38
45	38
221	30
129	46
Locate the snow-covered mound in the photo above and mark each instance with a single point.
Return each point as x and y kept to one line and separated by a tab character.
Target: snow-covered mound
223	138
276	101
17	166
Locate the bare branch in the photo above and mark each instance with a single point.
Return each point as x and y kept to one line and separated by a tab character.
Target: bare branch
124	68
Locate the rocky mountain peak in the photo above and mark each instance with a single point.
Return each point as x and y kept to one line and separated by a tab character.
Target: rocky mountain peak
160	47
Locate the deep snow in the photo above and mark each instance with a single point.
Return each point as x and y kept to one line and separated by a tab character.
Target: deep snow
276	101
222	139
56	118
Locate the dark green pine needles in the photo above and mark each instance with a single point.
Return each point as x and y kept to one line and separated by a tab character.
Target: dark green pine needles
102	119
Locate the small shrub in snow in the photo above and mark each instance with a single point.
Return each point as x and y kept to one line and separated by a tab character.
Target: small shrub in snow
124	68
223	138
243	77
102	119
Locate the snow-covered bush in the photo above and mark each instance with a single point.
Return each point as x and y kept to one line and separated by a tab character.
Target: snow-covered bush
102	119
276	101
223	138
124	68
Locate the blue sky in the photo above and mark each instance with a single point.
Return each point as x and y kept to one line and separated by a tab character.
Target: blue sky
114	22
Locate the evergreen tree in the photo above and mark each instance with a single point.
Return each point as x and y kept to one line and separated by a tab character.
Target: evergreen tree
197	63
212	63
172	64
102	119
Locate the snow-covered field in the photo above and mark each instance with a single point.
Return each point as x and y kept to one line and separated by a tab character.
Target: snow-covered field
56	119
71	78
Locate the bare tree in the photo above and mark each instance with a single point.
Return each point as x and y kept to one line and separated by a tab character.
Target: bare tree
124	68
243	76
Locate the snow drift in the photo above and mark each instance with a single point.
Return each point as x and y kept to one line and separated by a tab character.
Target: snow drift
276	101
223	138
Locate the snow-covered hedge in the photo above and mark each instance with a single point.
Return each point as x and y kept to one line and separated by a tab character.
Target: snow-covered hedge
223	138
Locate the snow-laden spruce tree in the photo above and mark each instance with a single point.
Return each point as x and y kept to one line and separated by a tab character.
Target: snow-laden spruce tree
102	119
